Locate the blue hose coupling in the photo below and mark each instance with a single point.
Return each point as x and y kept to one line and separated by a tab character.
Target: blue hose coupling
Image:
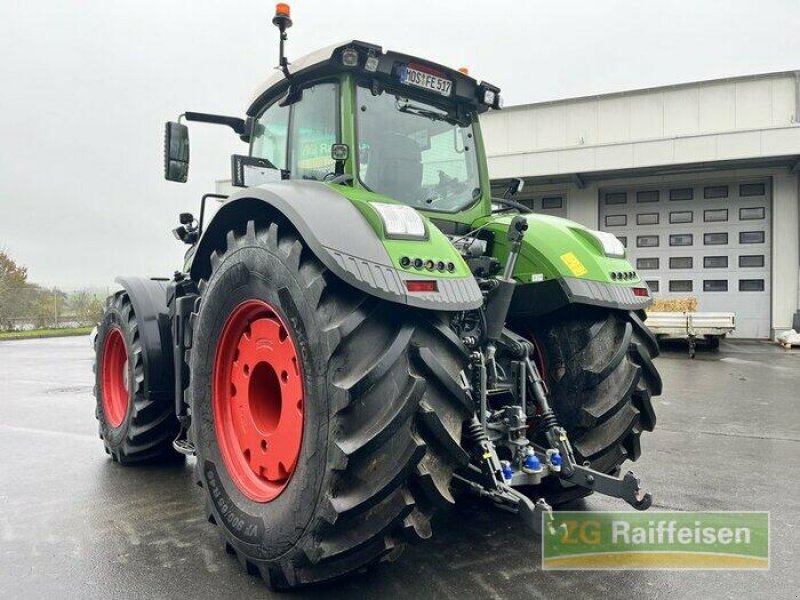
508	472
532	463
555	460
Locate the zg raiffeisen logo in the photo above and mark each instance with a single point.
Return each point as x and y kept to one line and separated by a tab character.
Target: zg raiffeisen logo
656	540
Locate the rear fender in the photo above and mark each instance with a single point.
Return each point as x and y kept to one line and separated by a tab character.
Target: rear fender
149	300
338	234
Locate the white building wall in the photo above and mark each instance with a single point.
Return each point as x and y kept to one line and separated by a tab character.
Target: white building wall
750	117
785	250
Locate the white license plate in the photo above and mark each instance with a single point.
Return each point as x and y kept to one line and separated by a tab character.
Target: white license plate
427	81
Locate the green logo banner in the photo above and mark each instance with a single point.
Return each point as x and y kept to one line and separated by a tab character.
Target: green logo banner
656	540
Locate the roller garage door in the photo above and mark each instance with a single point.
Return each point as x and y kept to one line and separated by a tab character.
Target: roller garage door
546	204
709	241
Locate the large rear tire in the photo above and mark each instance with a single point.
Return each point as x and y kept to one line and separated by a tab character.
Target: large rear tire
134	429
598	365
380	413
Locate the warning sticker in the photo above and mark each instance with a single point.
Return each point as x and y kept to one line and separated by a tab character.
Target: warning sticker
574	264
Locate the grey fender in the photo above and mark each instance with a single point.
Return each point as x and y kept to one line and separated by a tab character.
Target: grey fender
338	235
149	300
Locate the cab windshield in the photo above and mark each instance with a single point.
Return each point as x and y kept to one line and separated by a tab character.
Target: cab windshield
411	151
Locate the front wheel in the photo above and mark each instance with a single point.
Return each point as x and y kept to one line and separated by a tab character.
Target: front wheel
134	428
598	366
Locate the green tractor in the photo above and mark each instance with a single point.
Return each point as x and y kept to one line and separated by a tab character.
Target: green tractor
362	334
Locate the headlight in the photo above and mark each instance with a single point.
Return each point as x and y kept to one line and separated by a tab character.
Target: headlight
609	242
400	221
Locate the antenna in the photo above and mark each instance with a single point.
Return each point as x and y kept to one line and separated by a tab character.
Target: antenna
283	21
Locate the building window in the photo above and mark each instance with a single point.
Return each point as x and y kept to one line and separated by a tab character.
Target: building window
647	219
751	237
616	220
647	264
623	239
647	196
715	191
680	262
752	189
751	260
715	239
646	241
715	262
682	216
715	285
681	194
751	285
751	214
552	202
680	285
710	216
616	198
653	285
681	239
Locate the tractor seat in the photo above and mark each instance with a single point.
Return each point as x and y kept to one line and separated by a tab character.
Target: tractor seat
395	167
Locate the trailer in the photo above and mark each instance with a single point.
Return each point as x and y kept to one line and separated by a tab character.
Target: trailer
710	326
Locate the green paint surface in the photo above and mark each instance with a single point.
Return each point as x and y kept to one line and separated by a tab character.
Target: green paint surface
547	240
437	247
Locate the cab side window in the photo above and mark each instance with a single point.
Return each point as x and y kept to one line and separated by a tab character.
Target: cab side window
313	131
271	134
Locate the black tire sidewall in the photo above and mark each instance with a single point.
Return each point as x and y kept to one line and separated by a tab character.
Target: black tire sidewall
255	272
113	318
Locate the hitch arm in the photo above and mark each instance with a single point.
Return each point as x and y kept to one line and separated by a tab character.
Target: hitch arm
535	515
627	488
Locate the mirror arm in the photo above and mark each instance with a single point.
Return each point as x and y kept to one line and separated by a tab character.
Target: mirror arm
235	123
510	205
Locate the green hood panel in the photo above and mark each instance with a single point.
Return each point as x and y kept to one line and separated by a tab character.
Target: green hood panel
556	248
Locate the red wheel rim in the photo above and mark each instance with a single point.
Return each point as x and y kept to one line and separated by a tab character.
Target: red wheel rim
257	399
114	373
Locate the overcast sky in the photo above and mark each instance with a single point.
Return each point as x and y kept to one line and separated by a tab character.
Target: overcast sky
87	86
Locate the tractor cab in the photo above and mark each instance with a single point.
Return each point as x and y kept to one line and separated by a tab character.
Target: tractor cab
389	123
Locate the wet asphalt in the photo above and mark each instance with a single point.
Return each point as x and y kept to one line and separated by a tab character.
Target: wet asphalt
75	525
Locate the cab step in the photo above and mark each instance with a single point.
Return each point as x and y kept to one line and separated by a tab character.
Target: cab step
184	447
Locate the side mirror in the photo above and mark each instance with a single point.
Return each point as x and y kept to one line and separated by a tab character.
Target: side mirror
176	152
514	187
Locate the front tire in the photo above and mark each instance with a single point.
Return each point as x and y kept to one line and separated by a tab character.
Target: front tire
134	429
377	445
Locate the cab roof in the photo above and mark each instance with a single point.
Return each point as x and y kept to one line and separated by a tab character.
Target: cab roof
328	61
